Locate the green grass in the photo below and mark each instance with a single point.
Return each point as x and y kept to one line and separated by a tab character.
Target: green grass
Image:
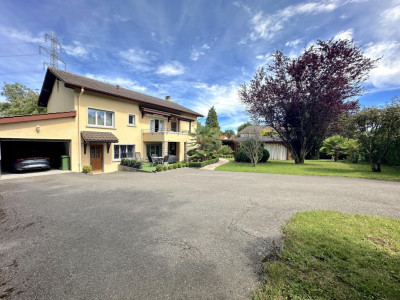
315	168
332	255
148	167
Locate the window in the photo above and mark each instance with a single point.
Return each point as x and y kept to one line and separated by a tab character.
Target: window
101	118
131	120
157	125
124	151
174	126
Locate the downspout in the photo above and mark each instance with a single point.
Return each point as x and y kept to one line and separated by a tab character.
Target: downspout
79	129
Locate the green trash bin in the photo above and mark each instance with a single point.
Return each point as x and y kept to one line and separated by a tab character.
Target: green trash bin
65	162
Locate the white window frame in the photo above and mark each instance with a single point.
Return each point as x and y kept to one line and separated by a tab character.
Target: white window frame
100	126
119	159
132	125
164	120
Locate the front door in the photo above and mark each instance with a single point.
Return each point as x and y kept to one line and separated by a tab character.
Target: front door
96	158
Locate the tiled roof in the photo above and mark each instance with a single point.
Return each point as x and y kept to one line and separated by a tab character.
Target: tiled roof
255	129
78	81
99	137
26	118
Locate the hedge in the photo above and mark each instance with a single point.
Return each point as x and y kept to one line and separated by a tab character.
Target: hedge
201	164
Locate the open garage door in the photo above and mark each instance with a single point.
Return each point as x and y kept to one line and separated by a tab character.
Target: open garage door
12	149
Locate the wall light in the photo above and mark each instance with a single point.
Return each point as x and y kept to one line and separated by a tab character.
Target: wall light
38	128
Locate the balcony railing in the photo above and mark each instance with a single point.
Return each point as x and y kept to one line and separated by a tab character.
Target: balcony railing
164	131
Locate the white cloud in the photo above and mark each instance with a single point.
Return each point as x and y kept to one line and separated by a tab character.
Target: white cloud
293	43
171	68
266	26
391	15
387	74
76	49
123	82
225	99
139	59
196	53
344	35
24	36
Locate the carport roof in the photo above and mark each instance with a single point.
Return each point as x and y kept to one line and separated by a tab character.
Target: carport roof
98	137
26	118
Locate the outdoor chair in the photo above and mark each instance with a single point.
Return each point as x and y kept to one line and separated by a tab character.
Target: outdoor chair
165	160
155	160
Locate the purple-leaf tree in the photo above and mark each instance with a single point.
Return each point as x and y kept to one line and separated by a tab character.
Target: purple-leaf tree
302	97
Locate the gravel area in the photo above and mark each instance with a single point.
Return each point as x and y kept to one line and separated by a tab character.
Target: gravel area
181	234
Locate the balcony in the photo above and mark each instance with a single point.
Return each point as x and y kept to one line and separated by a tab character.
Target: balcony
165	136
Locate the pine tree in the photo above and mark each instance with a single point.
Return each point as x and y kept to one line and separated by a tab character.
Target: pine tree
212	119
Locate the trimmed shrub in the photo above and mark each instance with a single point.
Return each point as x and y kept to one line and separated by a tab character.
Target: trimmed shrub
131	163
241	156
86	169
225	150
179	165
159	168
165	168
175	166
170	167
265	156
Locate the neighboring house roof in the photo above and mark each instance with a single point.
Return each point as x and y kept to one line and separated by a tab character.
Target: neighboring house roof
264	139
255	129
223	137
77	81
98	137
26	118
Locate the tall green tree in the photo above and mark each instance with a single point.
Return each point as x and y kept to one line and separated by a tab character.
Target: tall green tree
376	129
228	133
243	126
212	119
20	100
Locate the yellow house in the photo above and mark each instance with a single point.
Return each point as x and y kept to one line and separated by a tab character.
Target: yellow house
97	124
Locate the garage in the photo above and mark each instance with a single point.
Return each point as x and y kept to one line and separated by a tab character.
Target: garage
13	149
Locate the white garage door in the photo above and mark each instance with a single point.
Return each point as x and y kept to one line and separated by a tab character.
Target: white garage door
276	151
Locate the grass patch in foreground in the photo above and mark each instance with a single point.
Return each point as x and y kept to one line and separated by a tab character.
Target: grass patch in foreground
315	168
332	255
148	167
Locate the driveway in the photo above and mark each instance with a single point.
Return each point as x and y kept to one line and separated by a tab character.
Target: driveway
181	234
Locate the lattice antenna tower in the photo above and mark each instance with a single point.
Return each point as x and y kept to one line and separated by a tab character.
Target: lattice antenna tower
55	47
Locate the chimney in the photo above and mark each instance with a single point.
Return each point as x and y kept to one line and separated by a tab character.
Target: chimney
168	98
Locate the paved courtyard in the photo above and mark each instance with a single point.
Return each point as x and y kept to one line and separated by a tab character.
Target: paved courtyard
181	234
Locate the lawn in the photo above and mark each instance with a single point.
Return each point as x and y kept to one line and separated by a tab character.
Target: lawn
332	255
148	167
315	168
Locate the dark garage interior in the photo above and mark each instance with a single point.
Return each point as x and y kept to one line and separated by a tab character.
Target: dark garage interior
14	149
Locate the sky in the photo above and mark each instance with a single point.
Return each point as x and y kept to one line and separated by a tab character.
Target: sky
196	51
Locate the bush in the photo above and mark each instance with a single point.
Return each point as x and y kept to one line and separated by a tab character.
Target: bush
175	166
265	156
241	156
131	163
165	168
159	168
86	169
179	165
225	150
170	167
201	164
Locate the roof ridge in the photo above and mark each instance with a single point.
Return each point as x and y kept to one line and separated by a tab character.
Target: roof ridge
117	91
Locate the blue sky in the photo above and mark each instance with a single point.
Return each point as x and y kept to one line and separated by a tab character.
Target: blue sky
198	52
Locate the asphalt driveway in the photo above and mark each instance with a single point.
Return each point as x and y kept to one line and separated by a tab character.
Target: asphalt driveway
181	234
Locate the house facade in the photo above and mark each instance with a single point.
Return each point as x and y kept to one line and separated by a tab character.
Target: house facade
97	124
